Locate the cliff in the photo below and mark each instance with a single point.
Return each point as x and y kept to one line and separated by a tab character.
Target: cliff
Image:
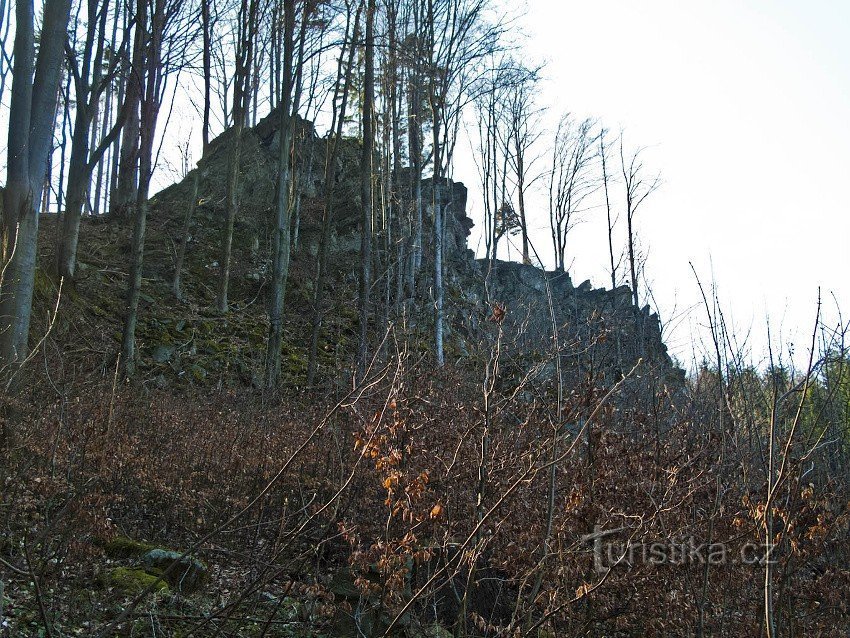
599	332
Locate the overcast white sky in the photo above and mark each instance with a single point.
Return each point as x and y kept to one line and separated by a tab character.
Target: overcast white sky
745	105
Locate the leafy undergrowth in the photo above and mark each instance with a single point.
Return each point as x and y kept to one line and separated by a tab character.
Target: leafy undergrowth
417	505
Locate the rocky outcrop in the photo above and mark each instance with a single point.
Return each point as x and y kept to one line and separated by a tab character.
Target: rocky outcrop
258	169
599	330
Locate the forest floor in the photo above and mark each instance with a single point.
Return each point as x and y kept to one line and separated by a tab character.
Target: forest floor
422	502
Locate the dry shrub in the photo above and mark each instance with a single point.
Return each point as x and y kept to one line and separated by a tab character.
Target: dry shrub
436	503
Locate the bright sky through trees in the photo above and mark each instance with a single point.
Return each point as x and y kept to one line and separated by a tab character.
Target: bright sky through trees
744	107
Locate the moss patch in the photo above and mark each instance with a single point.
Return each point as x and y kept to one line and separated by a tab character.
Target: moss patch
123	547
133	581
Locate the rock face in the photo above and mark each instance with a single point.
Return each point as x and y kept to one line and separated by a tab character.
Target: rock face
258	168
598	330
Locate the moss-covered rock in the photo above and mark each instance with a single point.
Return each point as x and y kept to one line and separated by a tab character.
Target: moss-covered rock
187	576
123	547
134	581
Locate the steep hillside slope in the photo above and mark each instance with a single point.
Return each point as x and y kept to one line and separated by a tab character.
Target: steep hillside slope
185	342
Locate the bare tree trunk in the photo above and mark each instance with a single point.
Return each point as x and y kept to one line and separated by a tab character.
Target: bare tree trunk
397	200
637	188
108	120
414	127
31	120
97	192
366	191
94	127
207	65
18	196
126	188
283	211
241	88
63	145
66	254
415	143
90	84
439	314
632	259
274	61
151	74
184	237
343	84
526	259
608	209
117	151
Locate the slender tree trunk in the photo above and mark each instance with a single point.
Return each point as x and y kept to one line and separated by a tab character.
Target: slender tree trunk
438	274
298	194
435	97
94	126
273	55
366	191
80	171
97	193
397	201
184	237
632	258
255	90
415	143
126	190
344	73
520	173
18	195
241	89
414	100
63	145
66	254
230	215
117	151
608	210
150	73
206	30
283	211
84	157
31	119
108	116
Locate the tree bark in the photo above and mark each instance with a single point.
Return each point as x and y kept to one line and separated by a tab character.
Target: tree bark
31	118
126	188
520	173
206	26
107	120
283	212
241	85
83	160
366	192
338	119
150	72
608	210
184	237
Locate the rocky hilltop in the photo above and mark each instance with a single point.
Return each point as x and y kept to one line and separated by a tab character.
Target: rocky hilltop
186	342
